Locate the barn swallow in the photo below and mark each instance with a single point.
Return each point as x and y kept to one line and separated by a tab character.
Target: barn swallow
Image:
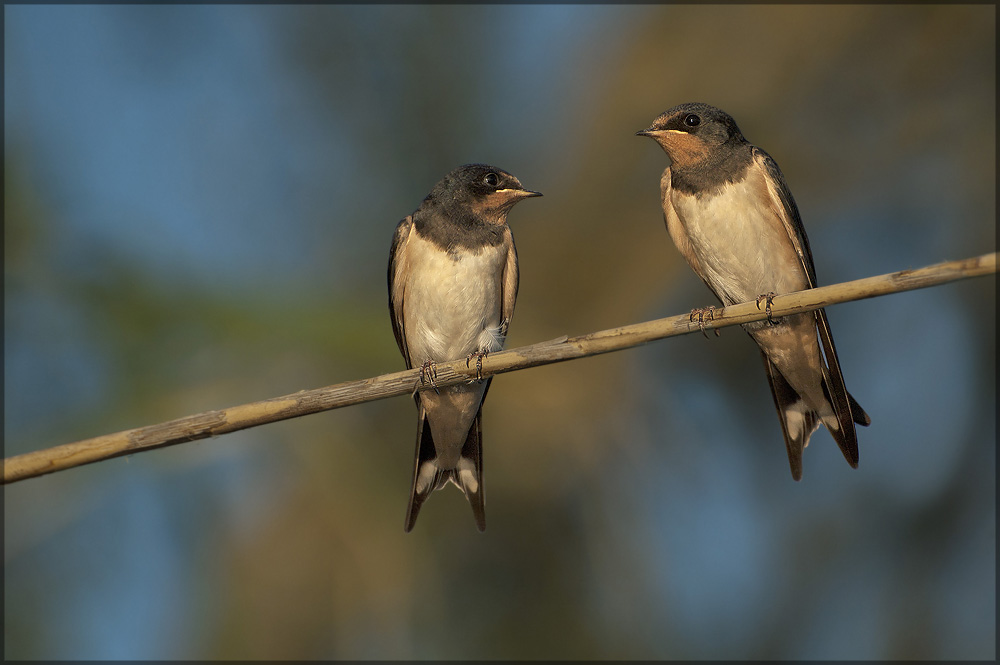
452	284
731	215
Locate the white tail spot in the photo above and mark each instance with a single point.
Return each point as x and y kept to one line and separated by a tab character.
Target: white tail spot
467	474
425	477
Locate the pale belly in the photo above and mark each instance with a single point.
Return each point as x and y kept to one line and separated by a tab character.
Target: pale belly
745	252
743	249
452	308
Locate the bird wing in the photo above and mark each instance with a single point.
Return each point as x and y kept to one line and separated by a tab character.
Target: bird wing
508	284
397	286
784	206
846	408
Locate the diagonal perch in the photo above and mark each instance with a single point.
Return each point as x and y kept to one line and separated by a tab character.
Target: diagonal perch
223	421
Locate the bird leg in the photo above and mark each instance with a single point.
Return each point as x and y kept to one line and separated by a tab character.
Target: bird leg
767	298
428	372
701	312
478	355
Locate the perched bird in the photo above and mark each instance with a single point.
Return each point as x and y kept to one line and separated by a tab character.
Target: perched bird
452	284
729	212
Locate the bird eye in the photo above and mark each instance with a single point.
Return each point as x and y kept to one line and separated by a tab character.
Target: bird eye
491	179
692	120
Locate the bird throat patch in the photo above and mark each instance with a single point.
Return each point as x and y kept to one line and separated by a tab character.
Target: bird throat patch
709	176
468	232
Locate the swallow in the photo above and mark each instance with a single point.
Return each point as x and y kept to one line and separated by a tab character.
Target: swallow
453	281
733	218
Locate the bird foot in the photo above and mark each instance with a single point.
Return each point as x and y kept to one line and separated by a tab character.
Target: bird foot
767	298
478	355
428	374
704	314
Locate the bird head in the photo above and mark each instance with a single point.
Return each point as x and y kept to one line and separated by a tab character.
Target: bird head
690	133
488	191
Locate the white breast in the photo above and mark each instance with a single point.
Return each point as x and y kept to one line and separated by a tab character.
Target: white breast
741	244
451	307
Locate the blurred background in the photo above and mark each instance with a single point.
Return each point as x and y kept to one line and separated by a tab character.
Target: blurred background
198	208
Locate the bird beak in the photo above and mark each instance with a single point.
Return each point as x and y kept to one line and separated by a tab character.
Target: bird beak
653	133
518	194
502	200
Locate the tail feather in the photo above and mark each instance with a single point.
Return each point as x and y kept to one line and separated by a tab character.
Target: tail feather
425	455
858	414
428	476
469	476
845	407
798	422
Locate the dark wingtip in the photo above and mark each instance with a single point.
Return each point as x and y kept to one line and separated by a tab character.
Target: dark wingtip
850	450
858	414
413	510
796	468
411	518
478	508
